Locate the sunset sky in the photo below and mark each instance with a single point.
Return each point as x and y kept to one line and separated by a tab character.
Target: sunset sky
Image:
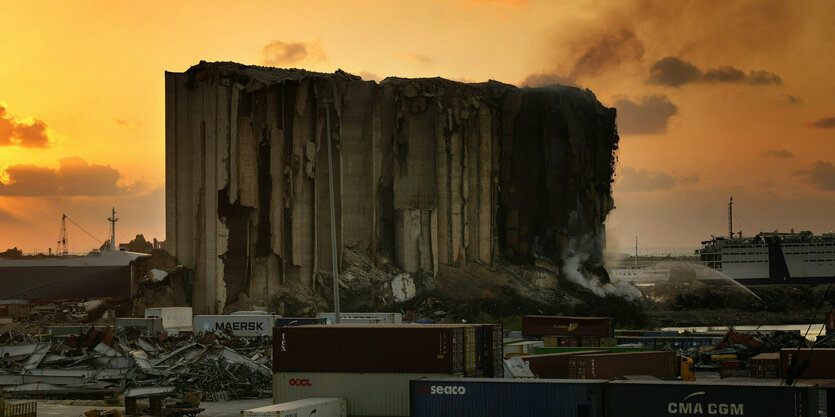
714	98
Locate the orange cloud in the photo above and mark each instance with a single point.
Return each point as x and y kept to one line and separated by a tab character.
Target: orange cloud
821	175
28	135
648	114
824	123
74	177
278	53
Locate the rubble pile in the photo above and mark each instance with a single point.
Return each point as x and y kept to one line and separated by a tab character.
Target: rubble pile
219	366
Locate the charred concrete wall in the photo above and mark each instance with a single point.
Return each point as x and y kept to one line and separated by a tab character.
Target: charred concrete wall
428	172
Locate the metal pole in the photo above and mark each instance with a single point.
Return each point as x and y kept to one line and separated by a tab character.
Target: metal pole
334	254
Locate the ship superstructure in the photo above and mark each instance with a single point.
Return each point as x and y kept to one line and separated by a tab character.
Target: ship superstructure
773	257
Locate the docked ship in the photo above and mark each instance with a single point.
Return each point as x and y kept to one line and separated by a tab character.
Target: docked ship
771	258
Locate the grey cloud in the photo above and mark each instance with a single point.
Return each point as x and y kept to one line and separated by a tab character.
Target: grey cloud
607	51
28	135
825	123
74	177
640	180
675	72
777	153
790	99
821	175
648	114
278	53
543	79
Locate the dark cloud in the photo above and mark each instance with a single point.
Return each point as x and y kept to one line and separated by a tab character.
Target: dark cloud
607	51
777	153
74	177
542	80
640	180
790	99
825	123
675	72
647	114
821	175
29	135
278	53
417	58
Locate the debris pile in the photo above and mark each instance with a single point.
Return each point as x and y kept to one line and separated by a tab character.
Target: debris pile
102	363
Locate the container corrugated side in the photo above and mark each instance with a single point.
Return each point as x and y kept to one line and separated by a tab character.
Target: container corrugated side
821	362
173	318
567	326
320	407
765	365
613	365
485	397
553	365
146	325
237	325
381	318
368	394
469	349
544	350
669	398
369	348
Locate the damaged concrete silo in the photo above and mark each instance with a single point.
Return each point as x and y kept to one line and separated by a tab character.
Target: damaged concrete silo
428	171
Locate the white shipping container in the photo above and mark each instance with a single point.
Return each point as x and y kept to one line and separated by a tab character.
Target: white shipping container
237	325
524	348
373	318
144	325
321	407
368	394
174	319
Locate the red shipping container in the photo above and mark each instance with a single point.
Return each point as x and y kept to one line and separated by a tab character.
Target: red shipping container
830	322
590	341
536	326
660	364
369	348
765	365
554	365
821	362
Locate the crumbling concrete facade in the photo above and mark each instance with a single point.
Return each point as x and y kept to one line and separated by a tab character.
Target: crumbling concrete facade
428	172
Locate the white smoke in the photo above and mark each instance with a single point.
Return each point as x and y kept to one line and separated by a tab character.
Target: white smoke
575	255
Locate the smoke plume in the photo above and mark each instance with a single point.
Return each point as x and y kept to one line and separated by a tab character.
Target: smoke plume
576	256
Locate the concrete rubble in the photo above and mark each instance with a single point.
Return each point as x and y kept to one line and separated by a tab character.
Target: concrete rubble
103	364
429	173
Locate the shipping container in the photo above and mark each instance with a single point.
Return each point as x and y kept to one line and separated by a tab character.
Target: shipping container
821	362
369	348
673	398
545	350
299	321
590	341
236	325
364	318
830	322
561	341
321	407
367	394
535	326
469	350
64	331
495	359
613	365
150	325
553	365
521	348
483	397
174	319
608	341
766	365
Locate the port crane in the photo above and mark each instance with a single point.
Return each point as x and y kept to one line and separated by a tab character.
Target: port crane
63	240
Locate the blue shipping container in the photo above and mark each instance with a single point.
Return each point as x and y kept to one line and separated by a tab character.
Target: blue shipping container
487	397
664	398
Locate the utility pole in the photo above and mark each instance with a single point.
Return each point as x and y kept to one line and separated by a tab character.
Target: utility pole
113	219
731	218
62	249
334	254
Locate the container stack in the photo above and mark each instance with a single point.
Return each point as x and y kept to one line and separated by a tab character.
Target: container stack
371	364
765	365
614	365
559	331
494	354
554	365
